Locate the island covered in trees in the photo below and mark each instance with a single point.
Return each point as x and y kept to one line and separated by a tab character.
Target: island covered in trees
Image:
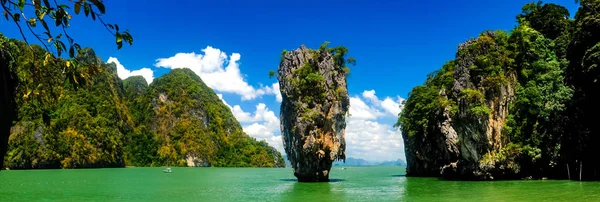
66	121
513	105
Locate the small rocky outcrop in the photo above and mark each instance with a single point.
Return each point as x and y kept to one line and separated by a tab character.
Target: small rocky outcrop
313	110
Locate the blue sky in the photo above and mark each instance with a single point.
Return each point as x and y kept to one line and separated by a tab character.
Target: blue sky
396	44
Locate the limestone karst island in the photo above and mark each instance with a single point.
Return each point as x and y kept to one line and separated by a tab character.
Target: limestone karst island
299	101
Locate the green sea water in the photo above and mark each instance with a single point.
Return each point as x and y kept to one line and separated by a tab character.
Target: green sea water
272	184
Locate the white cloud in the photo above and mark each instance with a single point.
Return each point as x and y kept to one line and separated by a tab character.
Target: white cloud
274	89
390	106
360	110
370	95
266	132
367	135
217	70
124	73
373	141
262	113
262	124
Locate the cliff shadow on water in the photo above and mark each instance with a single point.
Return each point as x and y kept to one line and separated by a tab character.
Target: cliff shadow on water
314	192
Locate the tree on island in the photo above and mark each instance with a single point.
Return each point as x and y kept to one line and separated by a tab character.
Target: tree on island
54	17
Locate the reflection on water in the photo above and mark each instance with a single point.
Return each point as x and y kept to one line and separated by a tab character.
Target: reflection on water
321	191
354	184
268	184
433	189
296	180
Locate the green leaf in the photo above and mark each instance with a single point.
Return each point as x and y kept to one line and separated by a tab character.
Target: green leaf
99	5
86	9
26	94
37	4
75	79
6	15
93	16
21	4
77	8
351	61
63	45
127	36
66	21
72	52
16	17
32	22
271	73
46	3
48	34
77	47
58	18
45	27
117	27
60	46
46	59
119	40
41	14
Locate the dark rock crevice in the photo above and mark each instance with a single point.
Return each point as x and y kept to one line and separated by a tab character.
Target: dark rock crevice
8	112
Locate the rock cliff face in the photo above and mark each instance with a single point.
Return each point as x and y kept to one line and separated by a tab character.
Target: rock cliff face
479	134
313	110
464	132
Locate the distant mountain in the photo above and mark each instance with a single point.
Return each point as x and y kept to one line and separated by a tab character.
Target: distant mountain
357	162
362	162
352	162
398	162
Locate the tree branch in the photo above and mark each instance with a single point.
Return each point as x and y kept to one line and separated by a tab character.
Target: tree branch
16	23
32	32
102	21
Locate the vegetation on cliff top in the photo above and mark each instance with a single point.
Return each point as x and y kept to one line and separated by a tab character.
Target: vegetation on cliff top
189	120
308	85
106	122
550	62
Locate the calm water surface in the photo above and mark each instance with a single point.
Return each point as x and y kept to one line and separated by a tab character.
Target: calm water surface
270	184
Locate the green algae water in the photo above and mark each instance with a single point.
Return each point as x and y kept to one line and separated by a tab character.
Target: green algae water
272	184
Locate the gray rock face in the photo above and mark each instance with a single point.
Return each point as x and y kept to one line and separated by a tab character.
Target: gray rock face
454	146
313	112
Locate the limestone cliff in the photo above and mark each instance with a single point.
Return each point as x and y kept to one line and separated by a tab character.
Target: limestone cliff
193	127
313	110
479	134
489	114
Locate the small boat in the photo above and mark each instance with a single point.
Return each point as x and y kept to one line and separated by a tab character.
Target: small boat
168	170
